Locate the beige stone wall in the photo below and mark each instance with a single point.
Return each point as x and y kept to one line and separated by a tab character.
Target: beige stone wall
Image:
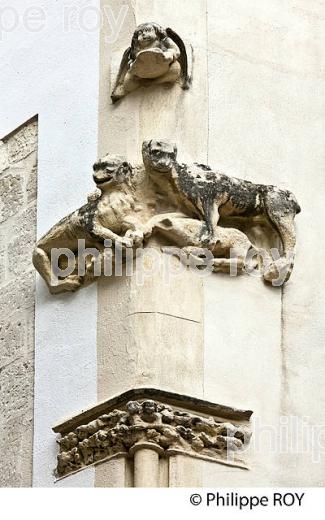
18	193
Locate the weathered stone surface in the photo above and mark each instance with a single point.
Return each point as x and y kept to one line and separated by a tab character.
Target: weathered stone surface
31	187
16	406
156	56
13	297
16	387
11	195
114	212
2	267
12	334
205	193
18	183
4	162
186	208
157	425
25	224
22	143
21	250
10	474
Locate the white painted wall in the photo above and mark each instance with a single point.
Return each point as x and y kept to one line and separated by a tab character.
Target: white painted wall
55	74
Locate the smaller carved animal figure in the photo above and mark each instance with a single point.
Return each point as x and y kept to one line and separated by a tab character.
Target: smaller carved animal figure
108	216
156	56
206	194
232	246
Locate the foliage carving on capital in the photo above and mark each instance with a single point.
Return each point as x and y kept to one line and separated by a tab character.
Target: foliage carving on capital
170	429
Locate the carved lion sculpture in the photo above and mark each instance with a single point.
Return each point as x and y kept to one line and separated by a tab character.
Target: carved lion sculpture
104	217
156	56
208	195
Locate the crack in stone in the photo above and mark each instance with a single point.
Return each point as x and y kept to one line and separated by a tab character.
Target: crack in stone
162	314
2	367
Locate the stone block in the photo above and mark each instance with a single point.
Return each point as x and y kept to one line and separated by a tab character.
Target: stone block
15	387
4	162
20	253
11	195
12	339
2	267
22	143
17	297
25	224
31	187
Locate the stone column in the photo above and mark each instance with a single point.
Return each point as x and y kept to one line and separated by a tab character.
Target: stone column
146	464
152	335
146	334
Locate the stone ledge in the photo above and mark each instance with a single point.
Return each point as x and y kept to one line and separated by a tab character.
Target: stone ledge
189	403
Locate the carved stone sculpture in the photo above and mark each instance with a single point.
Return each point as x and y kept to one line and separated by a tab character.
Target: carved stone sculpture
188	234
156	56
208	195
108	215
150	421
179	203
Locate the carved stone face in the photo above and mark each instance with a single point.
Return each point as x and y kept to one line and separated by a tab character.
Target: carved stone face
133	407
149	407
82	433
112	169
146	36
161	155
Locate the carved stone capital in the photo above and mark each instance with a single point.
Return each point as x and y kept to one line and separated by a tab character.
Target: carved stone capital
166	427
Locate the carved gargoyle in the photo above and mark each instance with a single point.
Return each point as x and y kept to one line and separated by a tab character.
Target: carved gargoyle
108	215
156	56
208	195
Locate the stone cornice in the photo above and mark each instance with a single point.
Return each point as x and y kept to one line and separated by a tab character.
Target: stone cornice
193	404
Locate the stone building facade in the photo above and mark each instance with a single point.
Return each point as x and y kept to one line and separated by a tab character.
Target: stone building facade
162	368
